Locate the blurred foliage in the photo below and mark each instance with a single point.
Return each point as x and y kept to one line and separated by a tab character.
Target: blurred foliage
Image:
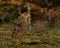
42	3
13	11
9	12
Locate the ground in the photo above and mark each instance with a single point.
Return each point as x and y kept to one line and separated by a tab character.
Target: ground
34	39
